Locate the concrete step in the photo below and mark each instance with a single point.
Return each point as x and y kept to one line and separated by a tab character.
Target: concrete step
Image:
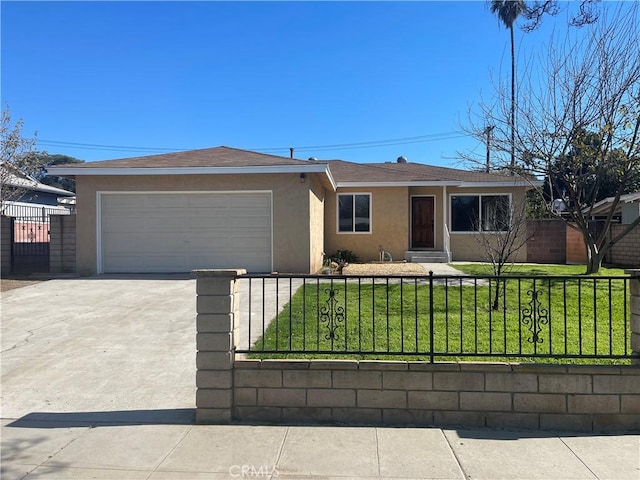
426	257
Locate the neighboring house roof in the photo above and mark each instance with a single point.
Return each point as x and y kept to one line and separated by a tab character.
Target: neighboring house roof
21	180
603	206
339	173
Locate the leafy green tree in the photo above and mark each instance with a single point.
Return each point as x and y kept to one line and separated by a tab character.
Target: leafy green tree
592	177
600	179
55	181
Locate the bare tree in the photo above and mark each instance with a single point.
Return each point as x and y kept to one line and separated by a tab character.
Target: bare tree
504	233
578	118
536	10
19	160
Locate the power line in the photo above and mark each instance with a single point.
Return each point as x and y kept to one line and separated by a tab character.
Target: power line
374	143
96	146
319	148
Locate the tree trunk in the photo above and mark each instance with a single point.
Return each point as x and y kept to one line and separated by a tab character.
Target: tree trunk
496	296
595	263
594	258
497	271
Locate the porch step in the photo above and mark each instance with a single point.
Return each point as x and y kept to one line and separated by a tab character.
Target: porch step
426	257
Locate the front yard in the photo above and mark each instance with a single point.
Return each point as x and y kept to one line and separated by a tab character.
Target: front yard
577	318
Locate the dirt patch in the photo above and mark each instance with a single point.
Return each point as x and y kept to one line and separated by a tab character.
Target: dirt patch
386	268
12	283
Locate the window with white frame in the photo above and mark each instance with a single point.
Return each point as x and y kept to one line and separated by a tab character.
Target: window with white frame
480	213
354	213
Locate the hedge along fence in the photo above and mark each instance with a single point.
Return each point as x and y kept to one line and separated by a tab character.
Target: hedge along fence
579	397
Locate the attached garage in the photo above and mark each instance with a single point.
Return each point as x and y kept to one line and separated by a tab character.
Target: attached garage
214	208
153	232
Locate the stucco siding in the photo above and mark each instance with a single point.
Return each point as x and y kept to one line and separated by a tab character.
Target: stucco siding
389	224
316	225
291	210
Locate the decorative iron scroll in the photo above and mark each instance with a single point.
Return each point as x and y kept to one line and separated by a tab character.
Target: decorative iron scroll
332	314
535	317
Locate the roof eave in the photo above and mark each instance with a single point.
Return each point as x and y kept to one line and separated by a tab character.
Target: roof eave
397	184
448	183
321	168
508	183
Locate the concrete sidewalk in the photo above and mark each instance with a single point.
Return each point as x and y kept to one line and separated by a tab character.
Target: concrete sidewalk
65	446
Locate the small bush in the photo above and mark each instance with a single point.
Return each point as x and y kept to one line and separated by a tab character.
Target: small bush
341	256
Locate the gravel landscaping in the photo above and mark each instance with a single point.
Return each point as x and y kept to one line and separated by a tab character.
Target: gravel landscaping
7	284
385	268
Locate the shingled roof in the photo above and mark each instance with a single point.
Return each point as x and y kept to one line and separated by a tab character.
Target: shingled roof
233	160
206	157
350	172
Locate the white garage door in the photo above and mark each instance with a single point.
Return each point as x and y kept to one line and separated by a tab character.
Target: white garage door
167	232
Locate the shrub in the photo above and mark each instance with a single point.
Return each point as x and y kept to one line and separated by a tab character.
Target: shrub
343	256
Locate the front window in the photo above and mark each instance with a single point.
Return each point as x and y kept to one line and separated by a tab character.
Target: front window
495	213
476	213
354	213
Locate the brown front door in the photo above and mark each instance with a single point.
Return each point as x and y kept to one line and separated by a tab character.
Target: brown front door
422	222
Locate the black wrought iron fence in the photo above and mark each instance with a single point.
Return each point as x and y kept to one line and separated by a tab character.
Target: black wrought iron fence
434	317
30	241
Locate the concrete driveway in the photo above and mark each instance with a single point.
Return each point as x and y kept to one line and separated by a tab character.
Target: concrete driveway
99	344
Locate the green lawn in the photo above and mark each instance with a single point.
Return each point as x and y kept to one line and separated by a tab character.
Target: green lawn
344	319
517	269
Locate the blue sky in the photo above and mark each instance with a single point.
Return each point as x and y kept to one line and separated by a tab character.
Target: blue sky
257	75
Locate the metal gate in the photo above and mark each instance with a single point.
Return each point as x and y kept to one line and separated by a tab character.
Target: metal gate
30	244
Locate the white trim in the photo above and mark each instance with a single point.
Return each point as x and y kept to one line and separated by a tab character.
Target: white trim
439	183
483	194
311	168
411	197
100	193
334	185
445	221
338	232
535	183
396	184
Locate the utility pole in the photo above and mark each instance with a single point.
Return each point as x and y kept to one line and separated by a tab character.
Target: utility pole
488	131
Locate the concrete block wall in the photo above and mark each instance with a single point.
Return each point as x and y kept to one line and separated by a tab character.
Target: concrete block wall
531	396
552	241
5	245
546	241
576	249
627	251
217	307
547	397
62	247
